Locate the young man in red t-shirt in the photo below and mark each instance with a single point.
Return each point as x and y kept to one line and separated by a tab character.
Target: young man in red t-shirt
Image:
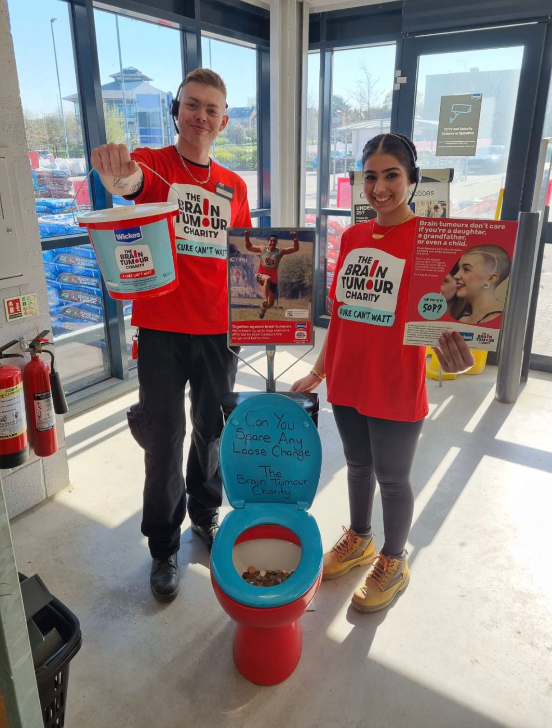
267	275
183	333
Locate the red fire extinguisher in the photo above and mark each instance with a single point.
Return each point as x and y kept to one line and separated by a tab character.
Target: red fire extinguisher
14	442
45	398
134	352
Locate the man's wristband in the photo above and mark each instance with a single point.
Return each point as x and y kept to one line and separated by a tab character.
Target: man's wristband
317	374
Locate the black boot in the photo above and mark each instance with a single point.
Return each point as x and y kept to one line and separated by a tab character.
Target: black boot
207	533
164	578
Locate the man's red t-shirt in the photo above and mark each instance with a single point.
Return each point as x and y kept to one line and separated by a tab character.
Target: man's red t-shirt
367	365
199	304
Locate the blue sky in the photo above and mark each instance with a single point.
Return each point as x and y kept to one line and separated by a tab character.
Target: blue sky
155	50
380	62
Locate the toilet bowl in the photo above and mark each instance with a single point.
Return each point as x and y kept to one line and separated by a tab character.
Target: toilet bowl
270	457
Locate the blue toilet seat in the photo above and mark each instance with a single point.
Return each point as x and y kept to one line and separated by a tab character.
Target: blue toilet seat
270	461
261	514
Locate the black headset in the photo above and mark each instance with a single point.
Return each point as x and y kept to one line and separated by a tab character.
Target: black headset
175	106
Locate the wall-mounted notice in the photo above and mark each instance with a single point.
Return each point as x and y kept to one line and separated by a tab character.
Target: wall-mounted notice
458	125
270	285
21	306
459	281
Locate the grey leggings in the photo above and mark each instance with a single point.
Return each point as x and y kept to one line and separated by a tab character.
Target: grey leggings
382	449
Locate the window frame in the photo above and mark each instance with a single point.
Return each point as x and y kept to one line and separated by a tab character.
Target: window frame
193	18
342	29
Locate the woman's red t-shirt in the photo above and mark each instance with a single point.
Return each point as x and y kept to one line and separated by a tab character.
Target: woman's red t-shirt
367	366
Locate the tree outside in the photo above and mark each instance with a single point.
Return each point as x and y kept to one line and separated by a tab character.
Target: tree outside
45	132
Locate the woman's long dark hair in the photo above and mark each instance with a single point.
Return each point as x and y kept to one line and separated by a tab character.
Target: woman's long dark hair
394	144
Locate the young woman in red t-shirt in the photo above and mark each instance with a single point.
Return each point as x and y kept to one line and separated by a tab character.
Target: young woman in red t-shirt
376	385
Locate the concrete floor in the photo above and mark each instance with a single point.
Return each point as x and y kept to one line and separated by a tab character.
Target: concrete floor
468	644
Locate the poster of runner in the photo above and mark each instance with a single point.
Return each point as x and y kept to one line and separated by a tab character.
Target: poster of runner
270	285
459	280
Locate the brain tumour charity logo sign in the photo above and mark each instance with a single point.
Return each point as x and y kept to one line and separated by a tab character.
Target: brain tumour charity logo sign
134	261
204	219
368	284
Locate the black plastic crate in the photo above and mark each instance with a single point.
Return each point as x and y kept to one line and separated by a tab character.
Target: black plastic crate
52	676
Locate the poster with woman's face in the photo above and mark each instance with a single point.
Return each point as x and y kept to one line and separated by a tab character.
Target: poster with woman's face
459	280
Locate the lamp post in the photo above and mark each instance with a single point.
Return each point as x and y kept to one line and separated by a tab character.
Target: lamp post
127	133
335	120
52	21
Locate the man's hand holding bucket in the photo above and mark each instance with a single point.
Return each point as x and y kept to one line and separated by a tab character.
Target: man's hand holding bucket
119	173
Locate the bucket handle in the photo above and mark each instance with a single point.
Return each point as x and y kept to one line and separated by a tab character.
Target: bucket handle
142	164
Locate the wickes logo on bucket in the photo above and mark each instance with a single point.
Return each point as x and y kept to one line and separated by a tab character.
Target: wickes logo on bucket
128	235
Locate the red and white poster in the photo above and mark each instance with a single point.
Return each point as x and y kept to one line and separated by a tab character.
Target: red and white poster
459	280
270	285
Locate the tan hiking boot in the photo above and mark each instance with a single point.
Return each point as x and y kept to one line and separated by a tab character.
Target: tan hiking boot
351	550
385	579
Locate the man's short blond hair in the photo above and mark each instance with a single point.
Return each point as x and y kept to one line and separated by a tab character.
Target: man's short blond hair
206	77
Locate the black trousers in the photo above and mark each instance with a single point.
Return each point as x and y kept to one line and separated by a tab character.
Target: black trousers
166	363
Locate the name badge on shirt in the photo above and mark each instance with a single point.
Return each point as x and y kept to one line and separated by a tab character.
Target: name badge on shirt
224	191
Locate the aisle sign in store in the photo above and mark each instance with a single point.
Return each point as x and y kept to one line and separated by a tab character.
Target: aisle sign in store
270	285
459	280
458	125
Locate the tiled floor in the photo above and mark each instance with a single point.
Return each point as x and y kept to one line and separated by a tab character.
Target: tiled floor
467	645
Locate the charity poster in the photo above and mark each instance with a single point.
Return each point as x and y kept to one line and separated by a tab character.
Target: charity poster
459	280
458	125
431	198
270	286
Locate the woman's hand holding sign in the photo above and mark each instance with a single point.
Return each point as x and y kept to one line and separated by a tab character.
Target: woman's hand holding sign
453	353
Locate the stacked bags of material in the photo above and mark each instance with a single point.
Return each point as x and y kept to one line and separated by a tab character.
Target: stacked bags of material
73	282
64	224
74	289
52	206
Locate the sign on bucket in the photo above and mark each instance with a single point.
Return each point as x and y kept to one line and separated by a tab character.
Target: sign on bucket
135	248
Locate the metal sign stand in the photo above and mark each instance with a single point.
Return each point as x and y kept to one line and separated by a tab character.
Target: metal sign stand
271	379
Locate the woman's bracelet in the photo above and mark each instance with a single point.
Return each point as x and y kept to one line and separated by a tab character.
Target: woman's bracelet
317	374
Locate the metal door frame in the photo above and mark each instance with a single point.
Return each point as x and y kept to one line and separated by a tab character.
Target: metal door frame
536	38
